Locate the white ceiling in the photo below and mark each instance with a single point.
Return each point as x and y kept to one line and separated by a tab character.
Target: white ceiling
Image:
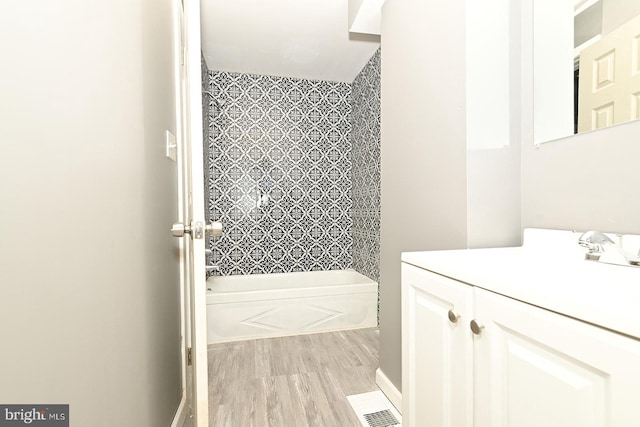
291	38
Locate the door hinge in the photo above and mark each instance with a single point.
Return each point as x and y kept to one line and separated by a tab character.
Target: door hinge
189	361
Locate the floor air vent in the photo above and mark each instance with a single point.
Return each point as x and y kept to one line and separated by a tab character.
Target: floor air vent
381	419
373	409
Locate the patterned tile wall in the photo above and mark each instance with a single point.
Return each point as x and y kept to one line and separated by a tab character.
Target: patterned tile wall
365	175
207	128
279	173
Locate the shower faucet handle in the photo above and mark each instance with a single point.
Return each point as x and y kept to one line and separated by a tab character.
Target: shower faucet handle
214	229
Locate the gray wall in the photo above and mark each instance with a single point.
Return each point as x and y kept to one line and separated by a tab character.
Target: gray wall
89	303
451	135
423	172
584	182
494	125
365	174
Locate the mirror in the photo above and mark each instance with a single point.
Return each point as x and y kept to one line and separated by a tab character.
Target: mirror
586	60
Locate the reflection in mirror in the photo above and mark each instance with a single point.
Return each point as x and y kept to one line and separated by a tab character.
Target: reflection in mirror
586	65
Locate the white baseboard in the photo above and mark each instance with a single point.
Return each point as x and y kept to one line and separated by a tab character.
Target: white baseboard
181	413
390	390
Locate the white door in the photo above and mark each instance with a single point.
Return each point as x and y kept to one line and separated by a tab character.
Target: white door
537	368
437	349
190	226
609	91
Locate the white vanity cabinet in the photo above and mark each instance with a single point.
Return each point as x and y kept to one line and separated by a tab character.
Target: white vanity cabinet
521	366
437	350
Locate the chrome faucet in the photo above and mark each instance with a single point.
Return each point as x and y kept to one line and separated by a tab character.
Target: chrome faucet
594	241
624	249
210	267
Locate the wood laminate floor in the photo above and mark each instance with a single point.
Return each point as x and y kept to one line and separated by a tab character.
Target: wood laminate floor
294	381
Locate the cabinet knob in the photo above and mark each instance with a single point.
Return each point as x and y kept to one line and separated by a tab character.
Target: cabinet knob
453	316
476	327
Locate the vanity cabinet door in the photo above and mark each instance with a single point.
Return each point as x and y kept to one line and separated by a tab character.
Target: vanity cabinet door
537	368
437	361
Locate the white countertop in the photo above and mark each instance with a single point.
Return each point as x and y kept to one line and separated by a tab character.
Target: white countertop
548	271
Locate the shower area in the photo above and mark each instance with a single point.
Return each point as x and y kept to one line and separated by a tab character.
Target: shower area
292	170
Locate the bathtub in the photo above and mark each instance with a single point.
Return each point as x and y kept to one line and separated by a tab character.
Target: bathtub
270	305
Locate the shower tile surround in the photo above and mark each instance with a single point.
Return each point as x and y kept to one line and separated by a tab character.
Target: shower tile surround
280	175
365	172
